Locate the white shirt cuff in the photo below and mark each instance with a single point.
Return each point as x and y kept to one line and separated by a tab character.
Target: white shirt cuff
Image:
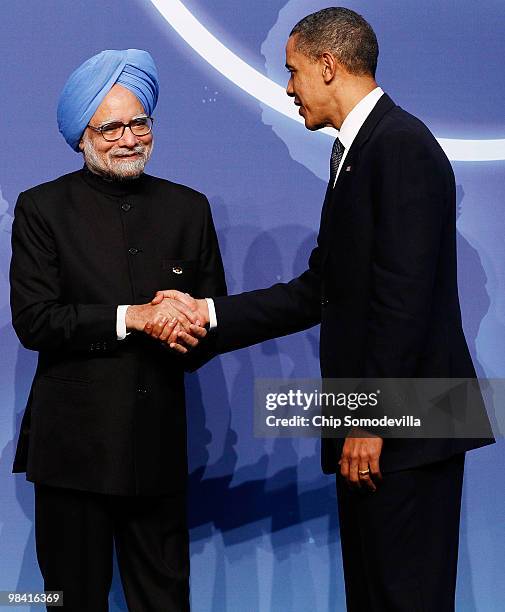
212	313
121	322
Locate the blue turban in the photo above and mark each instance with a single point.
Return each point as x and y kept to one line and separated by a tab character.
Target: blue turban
91	82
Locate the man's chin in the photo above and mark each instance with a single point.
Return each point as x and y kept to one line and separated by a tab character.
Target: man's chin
127	177
126	171
311	125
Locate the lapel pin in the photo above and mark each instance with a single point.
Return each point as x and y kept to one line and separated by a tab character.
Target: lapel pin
177	270
348	169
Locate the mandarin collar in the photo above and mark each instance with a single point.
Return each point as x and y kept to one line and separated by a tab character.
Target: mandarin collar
113	188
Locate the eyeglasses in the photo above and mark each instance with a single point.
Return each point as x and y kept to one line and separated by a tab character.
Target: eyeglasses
141	126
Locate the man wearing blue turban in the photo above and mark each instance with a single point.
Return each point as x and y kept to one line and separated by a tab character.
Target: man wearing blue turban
103	436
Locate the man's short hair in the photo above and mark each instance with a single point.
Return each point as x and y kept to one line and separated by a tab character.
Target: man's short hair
342	32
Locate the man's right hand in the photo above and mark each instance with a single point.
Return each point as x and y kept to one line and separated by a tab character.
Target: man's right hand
161	330
165	311
179	324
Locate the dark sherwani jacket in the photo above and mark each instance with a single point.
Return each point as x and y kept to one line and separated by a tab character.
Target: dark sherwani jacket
106	415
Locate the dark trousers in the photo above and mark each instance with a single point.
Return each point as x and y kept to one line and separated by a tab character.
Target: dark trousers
400	544
75	532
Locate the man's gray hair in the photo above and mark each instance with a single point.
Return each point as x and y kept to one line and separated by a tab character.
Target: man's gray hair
342	32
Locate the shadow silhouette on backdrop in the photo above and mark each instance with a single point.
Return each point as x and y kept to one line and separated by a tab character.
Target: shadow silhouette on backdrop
475	302
474	298
250	487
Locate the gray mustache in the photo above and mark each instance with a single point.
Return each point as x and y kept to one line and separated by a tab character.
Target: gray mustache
127	152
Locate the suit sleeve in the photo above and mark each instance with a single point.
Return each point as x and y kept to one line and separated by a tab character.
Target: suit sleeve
413	205
210	283
284	308
40	317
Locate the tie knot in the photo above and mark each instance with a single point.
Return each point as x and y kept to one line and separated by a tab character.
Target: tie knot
338	148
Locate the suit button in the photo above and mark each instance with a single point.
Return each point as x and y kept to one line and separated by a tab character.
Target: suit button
324	302
133	251
126	206
142	392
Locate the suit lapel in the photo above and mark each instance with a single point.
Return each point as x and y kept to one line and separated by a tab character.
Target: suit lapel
335	196
384	105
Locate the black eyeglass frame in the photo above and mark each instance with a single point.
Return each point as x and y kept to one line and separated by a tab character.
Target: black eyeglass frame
102	128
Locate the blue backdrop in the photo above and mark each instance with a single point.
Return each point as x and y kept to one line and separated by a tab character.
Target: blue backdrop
263	518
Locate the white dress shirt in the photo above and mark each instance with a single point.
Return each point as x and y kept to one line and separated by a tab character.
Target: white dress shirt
353	122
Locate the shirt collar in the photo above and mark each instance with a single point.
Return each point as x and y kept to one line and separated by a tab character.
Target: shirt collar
357	117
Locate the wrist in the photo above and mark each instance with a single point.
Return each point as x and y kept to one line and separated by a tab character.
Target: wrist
203	312
135	317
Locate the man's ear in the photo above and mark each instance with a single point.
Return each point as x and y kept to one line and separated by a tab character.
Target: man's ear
81	145
329	67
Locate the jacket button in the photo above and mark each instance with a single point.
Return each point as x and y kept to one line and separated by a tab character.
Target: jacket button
141	391
126	206
324	302
133	251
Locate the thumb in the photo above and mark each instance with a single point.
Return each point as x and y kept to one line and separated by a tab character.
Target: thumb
184	298
158	298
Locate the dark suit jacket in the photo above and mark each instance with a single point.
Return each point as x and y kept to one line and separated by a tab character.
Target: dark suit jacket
381	280
106	415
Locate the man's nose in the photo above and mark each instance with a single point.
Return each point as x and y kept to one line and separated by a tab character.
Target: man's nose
289	89
128	139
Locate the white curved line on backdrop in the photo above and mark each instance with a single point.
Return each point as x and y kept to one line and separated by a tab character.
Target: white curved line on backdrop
273	95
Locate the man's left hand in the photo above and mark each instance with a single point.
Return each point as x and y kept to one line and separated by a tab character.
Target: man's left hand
359	463
173	336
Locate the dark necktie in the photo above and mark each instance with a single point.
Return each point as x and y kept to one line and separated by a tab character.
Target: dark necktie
335	159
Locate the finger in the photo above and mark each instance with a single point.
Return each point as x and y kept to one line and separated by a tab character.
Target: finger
183	322
167	330
344	468
353	473
197	330
178	348
173	336
158	325
187	339
158	298
375	472
154	328
167	347
365	479
183	298
184	314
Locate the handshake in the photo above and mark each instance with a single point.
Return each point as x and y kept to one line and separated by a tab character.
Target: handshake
172	317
